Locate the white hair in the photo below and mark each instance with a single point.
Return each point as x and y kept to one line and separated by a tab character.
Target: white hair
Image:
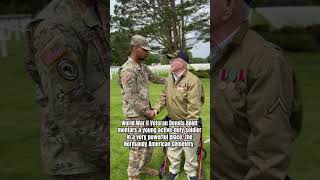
185	65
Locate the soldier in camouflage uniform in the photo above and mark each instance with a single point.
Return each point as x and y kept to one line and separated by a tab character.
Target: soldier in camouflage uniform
183	97
134	79
67	58
256	104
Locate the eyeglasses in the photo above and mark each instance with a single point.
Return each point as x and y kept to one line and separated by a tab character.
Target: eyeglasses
144	49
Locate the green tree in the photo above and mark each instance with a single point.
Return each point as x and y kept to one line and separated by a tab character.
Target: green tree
120	48
152	59
165	22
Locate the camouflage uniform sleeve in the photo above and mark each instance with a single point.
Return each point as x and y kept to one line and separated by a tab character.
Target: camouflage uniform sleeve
58	54
269	107
130	92
29	57
195	98
162	99
154	77
31	66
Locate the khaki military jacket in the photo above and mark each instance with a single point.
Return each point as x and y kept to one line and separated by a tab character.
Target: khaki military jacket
67	58
182	98
254	110
134	80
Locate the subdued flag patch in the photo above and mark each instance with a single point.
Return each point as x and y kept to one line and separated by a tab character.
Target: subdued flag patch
50	55
126	78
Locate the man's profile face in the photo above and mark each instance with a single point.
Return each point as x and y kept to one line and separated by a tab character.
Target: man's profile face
176	64
142	53
219	11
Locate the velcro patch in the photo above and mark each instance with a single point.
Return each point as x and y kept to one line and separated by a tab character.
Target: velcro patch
126	78
53	51
67	69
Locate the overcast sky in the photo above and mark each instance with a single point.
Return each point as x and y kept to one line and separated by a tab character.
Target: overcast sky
199	49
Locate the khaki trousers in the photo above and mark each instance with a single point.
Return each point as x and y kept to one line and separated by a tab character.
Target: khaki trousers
191	160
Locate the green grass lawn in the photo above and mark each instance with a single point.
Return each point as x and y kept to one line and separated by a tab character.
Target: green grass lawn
119	154
306	160
19	120
20	123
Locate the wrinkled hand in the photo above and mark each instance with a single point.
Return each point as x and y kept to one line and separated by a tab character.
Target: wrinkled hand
151	114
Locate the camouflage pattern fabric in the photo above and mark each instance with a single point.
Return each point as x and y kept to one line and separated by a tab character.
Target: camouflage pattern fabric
138	159
134	80
67	58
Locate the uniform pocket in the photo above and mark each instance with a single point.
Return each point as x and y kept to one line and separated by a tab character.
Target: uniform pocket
234	94
94	70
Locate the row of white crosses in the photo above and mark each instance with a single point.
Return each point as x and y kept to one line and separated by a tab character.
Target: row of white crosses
158	69
11	27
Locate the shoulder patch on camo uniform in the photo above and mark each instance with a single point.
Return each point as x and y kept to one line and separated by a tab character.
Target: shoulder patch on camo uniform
53	51
67	69
126	78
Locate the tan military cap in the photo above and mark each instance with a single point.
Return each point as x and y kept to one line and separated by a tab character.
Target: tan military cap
140	41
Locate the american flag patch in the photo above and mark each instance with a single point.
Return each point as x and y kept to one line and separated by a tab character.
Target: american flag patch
52	54
126	78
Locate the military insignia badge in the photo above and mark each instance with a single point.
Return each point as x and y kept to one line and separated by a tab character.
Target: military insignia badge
52	54
185	86
232	75
180	87
67	69
126	78
241	75
278	103
53	51
223	74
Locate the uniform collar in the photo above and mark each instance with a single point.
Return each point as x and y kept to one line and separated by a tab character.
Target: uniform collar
225	42
90	16
135	65
239	36
177	76
218	49
235	42
48	11
180	77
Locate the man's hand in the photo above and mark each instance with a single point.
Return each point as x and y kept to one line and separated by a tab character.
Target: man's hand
155	111
151	114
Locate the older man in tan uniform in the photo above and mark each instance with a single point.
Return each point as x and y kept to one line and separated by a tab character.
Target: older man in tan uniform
183	96
256	104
